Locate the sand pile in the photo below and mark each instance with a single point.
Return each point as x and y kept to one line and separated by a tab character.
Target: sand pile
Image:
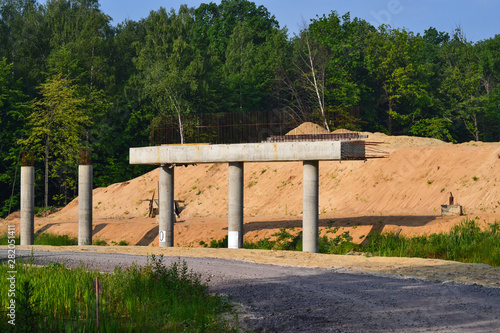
308	128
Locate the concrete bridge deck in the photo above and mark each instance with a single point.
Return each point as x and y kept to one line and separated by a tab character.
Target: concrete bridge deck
310	153
249	152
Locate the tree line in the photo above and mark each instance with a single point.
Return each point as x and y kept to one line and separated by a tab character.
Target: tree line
69	79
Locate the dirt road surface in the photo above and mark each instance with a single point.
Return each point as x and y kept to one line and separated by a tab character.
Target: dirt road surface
276	291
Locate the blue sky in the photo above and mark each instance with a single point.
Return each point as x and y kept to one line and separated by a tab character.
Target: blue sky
479	19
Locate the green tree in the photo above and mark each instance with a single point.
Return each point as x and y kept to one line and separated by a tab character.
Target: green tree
393	58
346	78
25	41
488	53
170	67
465	84
311	61
55	130
250	68
14	109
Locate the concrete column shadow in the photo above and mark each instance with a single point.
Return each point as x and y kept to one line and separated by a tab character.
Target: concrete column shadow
98	228
376	223
149	237
44	228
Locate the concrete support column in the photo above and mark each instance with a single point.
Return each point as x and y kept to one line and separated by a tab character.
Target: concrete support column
166	198
85	185
235	209
27	205
310	207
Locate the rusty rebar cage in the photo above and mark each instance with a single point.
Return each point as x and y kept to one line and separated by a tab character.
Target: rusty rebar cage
230	127
28	158
85	157
249	127
219	128
317	137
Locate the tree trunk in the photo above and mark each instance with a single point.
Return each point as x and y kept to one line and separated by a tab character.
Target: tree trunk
316	86
46	196
389	116
177	107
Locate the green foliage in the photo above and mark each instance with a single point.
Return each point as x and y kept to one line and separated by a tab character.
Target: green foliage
340	244
466	242
154	298
394	60
221	243
282	240
99	242
55	128
28	315
120	243
14	109
4	239
55	240
45	239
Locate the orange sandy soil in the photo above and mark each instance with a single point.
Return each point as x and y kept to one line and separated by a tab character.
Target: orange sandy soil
405	190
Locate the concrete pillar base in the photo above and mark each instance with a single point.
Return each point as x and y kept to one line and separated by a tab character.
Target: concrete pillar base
310	207
166	205
85	185
27	205
235	202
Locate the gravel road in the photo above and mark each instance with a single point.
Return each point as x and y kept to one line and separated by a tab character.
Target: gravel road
275	298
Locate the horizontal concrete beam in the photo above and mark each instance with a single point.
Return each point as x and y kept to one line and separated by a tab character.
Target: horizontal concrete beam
249	152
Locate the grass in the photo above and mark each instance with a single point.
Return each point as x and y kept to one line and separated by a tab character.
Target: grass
45	239
154	298
57	240
465	242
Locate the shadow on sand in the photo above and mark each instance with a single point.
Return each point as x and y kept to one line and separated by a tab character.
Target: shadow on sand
377	223
149	237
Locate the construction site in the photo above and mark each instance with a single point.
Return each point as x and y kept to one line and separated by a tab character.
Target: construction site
401	185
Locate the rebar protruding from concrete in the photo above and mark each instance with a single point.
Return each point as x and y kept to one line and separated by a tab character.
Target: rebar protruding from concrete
310	208
166	206
235	203
27	205
85	184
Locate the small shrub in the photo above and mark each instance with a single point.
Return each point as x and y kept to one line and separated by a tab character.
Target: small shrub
99	242
221	243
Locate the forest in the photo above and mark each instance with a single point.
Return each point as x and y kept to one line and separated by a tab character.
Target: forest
71	80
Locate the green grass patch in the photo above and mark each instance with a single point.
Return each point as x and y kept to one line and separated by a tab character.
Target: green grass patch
465	242
45	239
99	242
55	240
153	298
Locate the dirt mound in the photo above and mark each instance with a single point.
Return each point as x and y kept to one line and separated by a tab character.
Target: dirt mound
393	143
342	130
13	216
308	128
